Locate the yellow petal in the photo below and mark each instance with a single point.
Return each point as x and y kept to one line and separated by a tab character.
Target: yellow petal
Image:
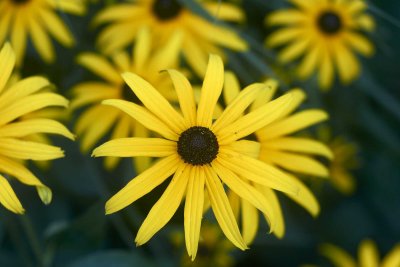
75	7
298	144
265	95
231	87
256	171
56	27
195	56
347	63
237	107
136	146
142	48
368	254
392	259
234	201
194	209
249	222
5	25
224	11
222	209
155	102
117	12
92	92
309	62
246	147
29	104
165	207
359	43
295	162
143	184
294	50
366	22
41	40
325	78
7	62
100	66
283	36
20	149
144	117
291	124
210	91
186	97
254	120
245	191
168	55
8	198
337	256
115	37
32	126
23	88
18	36
286	17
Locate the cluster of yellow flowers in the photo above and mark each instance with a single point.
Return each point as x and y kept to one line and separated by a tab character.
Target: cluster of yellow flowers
228	154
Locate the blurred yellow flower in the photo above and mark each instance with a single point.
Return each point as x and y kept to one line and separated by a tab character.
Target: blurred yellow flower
36	18
326	33
144	61
16	101
198	153
368	256
167	17
291	154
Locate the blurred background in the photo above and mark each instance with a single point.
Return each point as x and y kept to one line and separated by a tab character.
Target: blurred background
74	232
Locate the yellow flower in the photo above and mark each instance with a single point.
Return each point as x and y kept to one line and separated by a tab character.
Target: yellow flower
21	98
277	148
36	18
325	33
144	61
165	18
200	154
368	256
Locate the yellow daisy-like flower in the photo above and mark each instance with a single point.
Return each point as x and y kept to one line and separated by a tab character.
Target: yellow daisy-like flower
36	18
368	256
326	33
17	100
198	153
277	148
144	61
165	18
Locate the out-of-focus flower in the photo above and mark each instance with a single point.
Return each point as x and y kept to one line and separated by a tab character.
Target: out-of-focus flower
198	153
38	19
144	61
277	148
214	250
167	17
368	256
326	33
344	160
16	101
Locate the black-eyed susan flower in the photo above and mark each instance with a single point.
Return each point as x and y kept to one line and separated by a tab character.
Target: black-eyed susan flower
368	256
16	101
326	34
279	148
146	62
167	17
38	19
199	154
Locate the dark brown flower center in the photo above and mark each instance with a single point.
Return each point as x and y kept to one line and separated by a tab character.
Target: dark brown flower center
20	1
329	22
198	146
166	9
128	95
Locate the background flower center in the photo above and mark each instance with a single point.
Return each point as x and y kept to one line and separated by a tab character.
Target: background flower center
20	1
166	9
329	22
198	146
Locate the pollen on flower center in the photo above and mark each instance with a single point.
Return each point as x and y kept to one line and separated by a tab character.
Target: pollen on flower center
166	9
198	145
128	95
329	22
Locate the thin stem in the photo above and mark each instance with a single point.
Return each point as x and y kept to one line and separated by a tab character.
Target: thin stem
32	238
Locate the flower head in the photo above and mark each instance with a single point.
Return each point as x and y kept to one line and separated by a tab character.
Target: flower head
144	61
279	148
16	128
201	155
165	18
368	255
325	33
36	18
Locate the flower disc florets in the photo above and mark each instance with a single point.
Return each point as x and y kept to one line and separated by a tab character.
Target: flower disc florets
198	146
329	22
166	9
